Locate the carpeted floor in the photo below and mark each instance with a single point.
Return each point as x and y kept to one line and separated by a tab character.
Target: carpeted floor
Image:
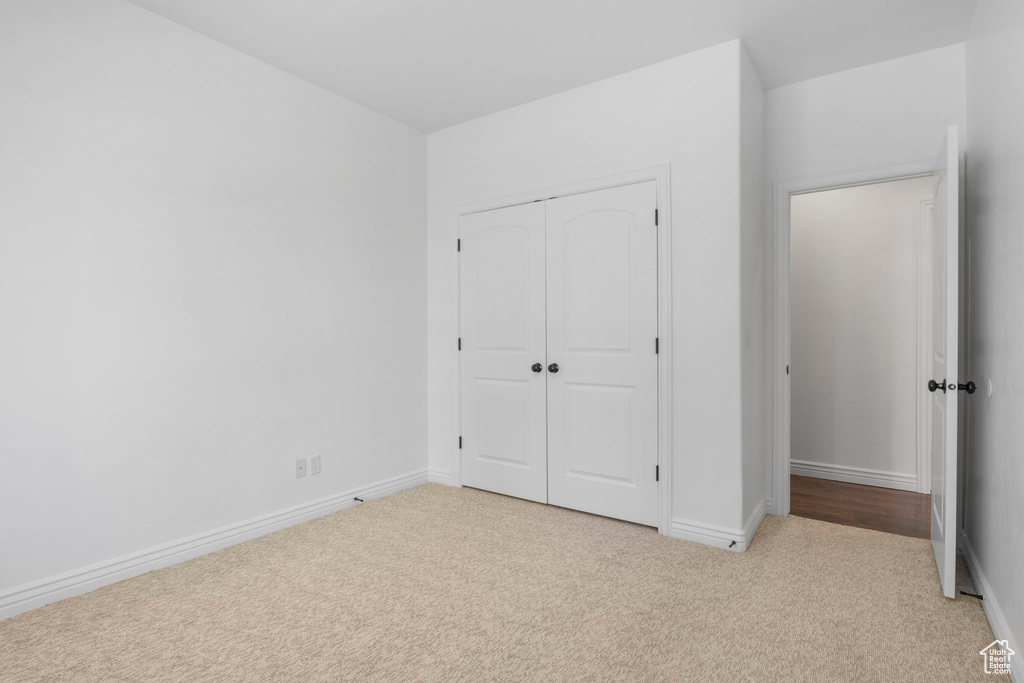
444	584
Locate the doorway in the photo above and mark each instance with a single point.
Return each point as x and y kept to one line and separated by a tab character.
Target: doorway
860	303
943	364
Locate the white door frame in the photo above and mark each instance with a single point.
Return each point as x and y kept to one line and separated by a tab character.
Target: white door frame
782	191
661	175
924	344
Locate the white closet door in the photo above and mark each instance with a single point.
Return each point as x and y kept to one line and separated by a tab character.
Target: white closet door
502	357
602	323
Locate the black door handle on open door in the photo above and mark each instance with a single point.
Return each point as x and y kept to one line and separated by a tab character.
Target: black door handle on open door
933	385
553	367
536	367
970	387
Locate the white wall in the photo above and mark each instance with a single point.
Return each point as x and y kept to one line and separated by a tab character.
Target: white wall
208	269
752	242
685	111
854	318
886	113
995	234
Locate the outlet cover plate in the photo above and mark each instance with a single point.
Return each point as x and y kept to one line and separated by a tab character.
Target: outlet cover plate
314	464
300	468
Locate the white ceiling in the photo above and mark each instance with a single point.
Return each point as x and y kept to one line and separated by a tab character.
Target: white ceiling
434	63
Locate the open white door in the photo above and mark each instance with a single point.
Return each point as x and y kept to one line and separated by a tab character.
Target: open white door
945	358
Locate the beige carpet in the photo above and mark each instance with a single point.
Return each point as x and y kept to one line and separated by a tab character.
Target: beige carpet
442	584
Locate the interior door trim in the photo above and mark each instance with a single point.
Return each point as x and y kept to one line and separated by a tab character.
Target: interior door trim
661	176
777	326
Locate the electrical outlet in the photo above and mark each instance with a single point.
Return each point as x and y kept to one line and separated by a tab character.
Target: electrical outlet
300	468
314	464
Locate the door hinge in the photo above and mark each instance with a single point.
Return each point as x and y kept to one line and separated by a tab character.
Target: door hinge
787	369
458	245
655	218
656	346
460	343
460	443
657	472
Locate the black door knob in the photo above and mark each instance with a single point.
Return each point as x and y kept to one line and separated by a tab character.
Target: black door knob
536	367
970	387
933	385
553	367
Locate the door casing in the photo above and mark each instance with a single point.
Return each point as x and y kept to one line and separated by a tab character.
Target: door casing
777	499
661	176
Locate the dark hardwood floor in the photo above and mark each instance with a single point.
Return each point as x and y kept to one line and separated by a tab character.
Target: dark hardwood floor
869	507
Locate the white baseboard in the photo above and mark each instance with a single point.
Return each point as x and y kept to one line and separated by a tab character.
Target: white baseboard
996	618
38	593
737	540
753	522
854	475
441	477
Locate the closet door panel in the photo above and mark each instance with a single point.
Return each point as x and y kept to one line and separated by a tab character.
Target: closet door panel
602	308
503	415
